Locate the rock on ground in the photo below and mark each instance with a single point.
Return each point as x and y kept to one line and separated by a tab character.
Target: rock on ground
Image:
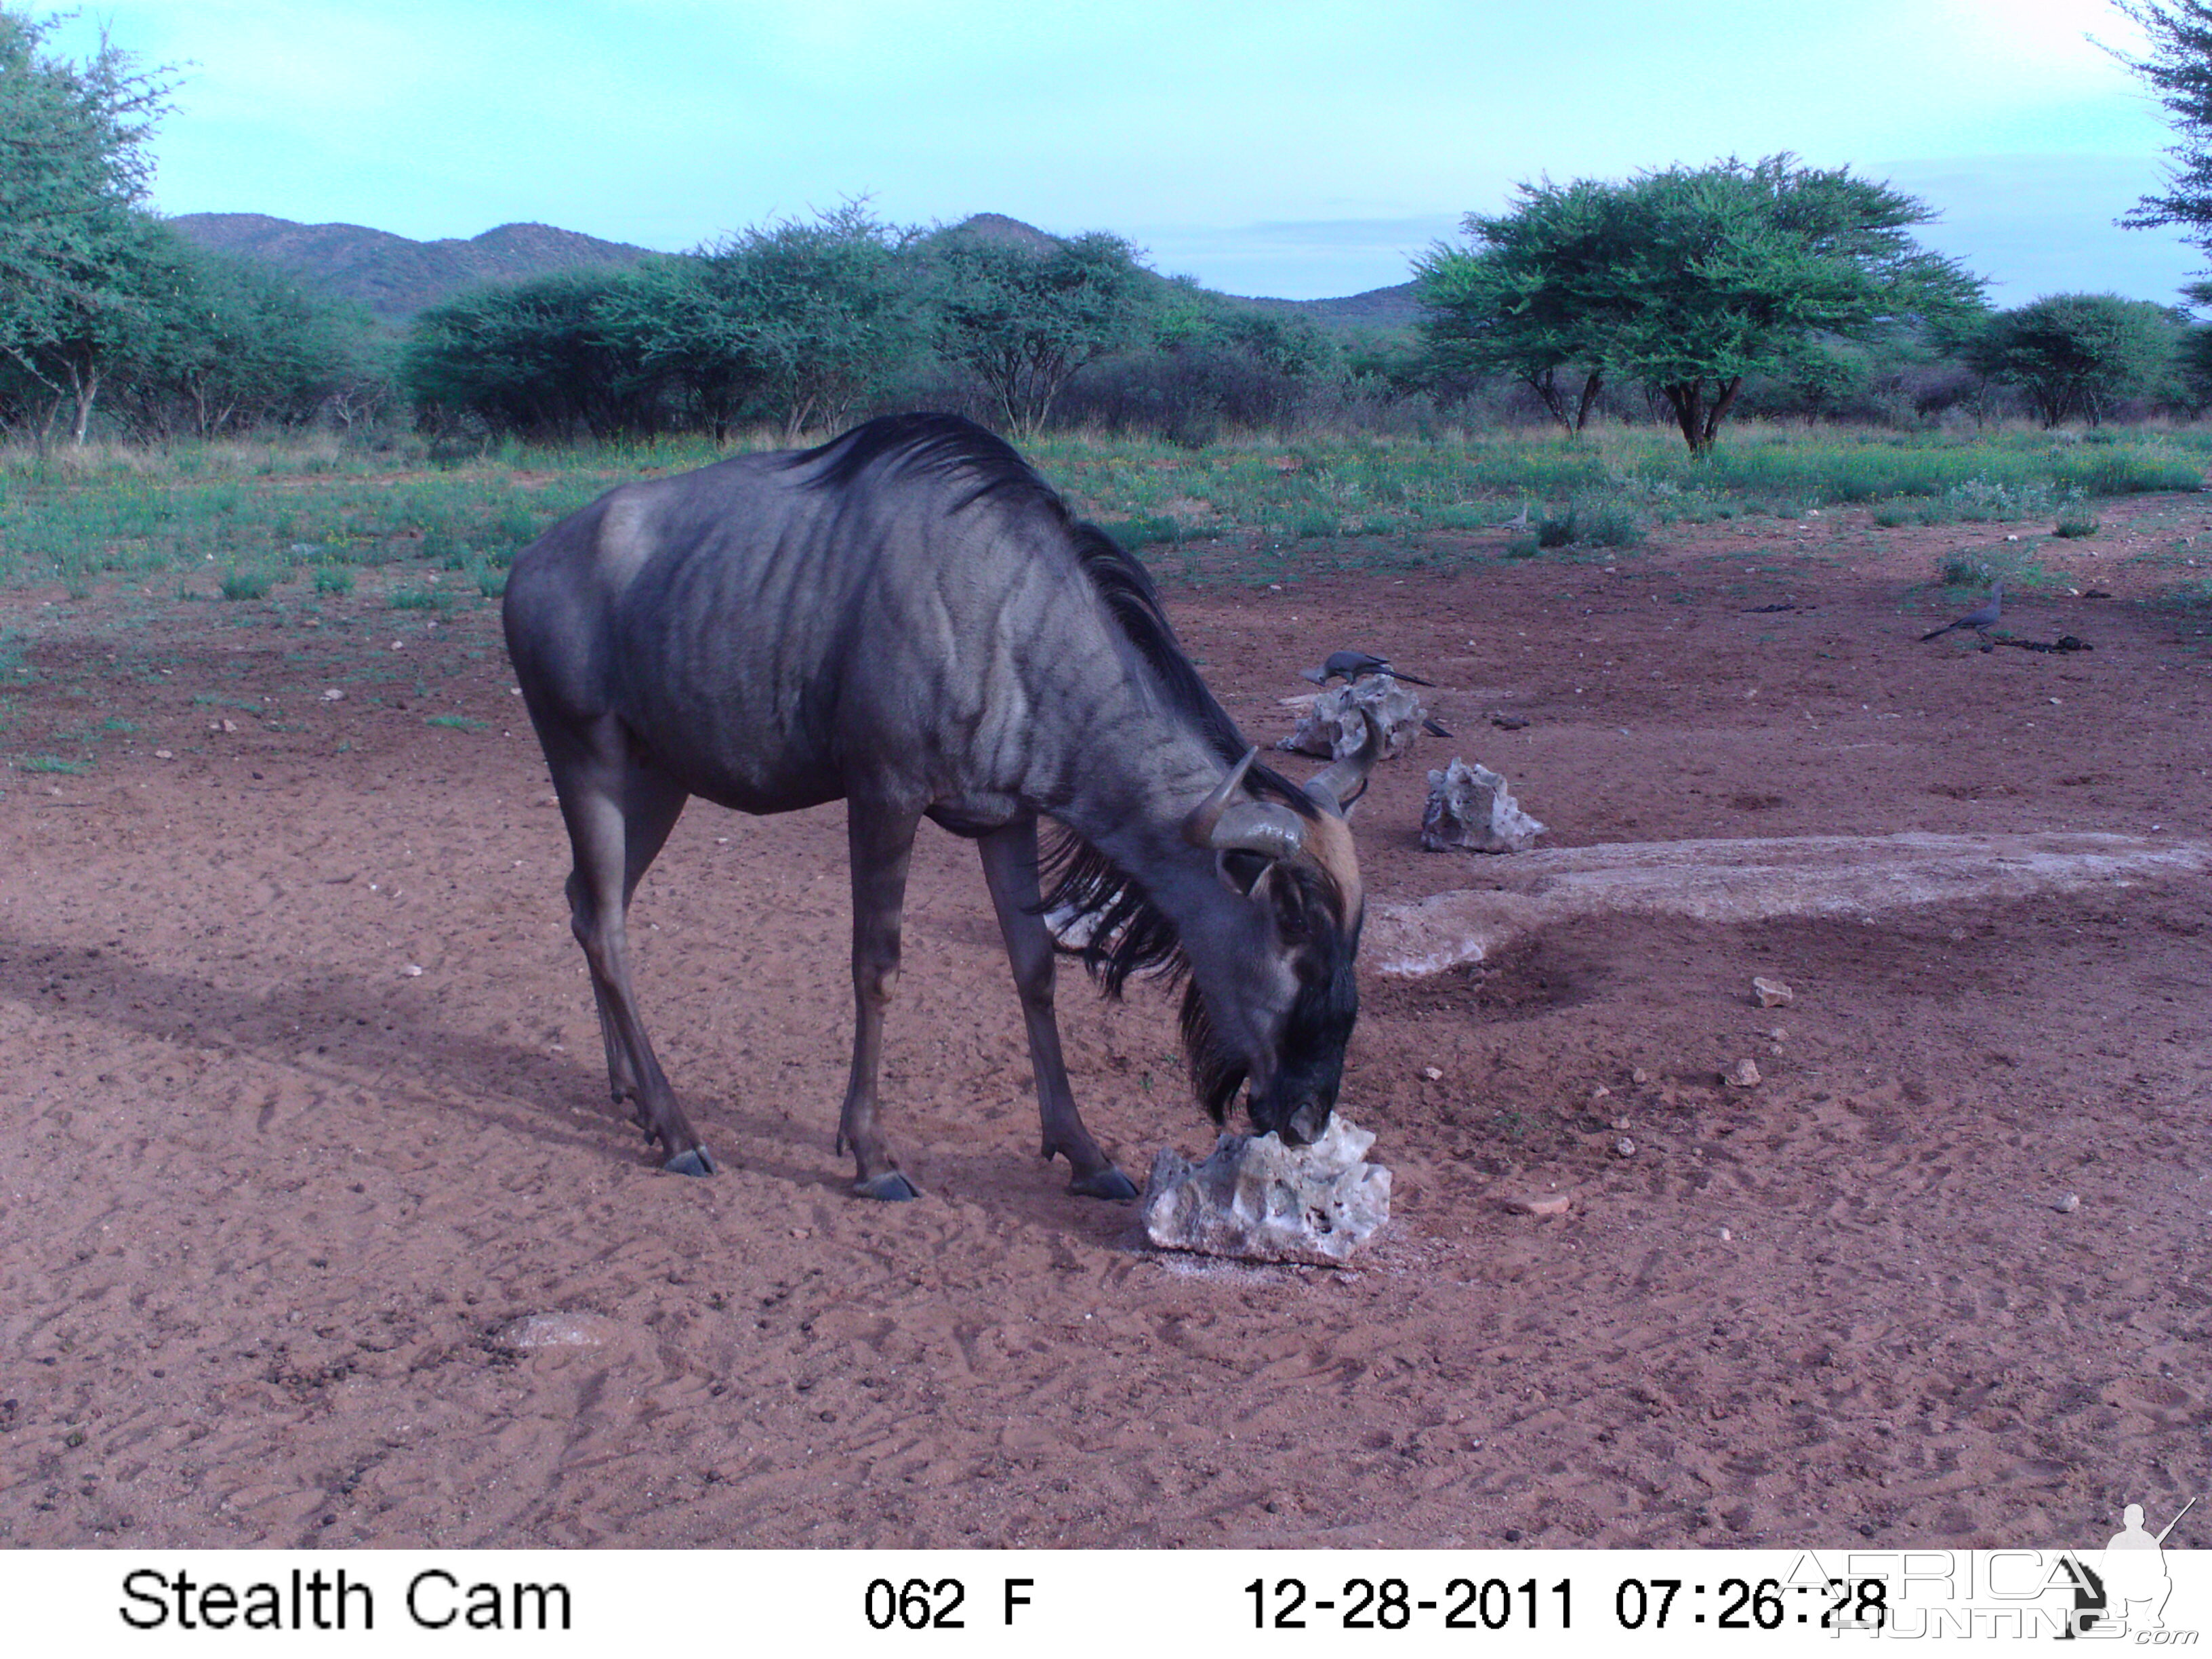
1261	1200
1470	806
1332	728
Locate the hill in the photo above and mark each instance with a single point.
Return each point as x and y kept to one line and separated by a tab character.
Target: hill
392	275
396	277
1378	309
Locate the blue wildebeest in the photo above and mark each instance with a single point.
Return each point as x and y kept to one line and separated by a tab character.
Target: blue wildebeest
908	618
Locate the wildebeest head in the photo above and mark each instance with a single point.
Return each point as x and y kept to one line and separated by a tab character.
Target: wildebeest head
1275	1010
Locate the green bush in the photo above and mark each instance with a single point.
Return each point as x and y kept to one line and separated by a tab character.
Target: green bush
1606	521
333	579
2077	521
1611	524
247	584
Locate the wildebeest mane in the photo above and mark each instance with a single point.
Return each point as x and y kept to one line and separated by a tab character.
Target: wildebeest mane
1123	932
943	445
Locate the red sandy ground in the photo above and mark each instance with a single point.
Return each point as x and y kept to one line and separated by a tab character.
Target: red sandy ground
268	1197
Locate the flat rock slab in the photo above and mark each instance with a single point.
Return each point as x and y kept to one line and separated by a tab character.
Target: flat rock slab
1256	1199
1738	881
559	1330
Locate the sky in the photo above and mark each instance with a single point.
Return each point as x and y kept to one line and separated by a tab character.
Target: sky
1299	150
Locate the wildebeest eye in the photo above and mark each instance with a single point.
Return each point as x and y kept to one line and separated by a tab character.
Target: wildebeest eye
1294	914
1240	872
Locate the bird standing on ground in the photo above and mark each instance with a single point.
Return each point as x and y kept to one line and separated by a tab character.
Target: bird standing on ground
1981	621
1351	665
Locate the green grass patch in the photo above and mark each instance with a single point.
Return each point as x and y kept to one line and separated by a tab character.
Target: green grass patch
1978	569
247	584
2193	598
456	722
420	598
53	763
189	512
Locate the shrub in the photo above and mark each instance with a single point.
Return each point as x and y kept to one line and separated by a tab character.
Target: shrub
2077	521
247	584
1611	524
333	579
1606	521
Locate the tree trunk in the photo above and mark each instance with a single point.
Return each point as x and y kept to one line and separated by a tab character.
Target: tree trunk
1547	388
1720	408
85	387
1589	397
1686	399
1700	421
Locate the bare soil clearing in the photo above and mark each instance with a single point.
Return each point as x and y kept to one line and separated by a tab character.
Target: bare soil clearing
274	1203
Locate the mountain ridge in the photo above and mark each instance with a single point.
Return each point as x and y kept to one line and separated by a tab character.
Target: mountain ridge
395	276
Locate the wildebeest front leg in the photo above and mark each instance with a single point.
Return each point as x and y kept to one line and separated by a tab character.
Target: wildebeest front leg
881	839
1010	868
619	811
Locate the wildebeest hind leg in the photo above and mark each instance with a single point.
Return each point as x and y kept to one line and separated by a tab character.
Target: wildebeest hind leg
1010	868
881	839
619	811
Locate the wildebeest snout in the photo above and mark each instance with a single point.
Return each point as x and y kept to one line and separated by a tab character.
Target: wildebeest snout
1298	1120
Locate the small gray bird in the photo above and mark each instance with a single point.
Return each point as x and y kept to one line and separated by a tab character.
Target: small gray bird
1981	621
1351	666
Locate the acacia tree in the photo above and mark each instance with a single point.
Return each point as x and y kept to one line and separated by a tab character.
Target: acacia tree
2077	354
226	342
1026	319
1522	302
74	241
2179	67
1686	280
545	356
805	321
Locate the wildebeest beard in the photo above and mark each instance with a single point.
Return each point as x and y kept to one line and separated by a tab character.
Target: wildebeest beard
1126	935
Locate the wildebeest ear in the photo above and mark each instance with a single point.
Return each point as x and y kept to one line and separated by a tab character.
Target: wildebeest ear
1241	872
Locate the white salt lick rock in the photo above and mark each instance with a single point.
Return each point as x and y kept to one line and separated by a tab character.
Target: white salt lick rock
1261	1200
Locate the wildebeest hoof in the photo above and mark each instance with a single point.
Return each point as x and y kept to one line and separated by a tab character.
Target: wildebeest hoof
1108	1182
697	1162
890	1186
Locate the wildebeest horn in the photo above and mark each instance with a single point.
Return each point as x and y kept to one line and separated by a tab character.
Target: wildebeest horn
1339	783
1221	825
